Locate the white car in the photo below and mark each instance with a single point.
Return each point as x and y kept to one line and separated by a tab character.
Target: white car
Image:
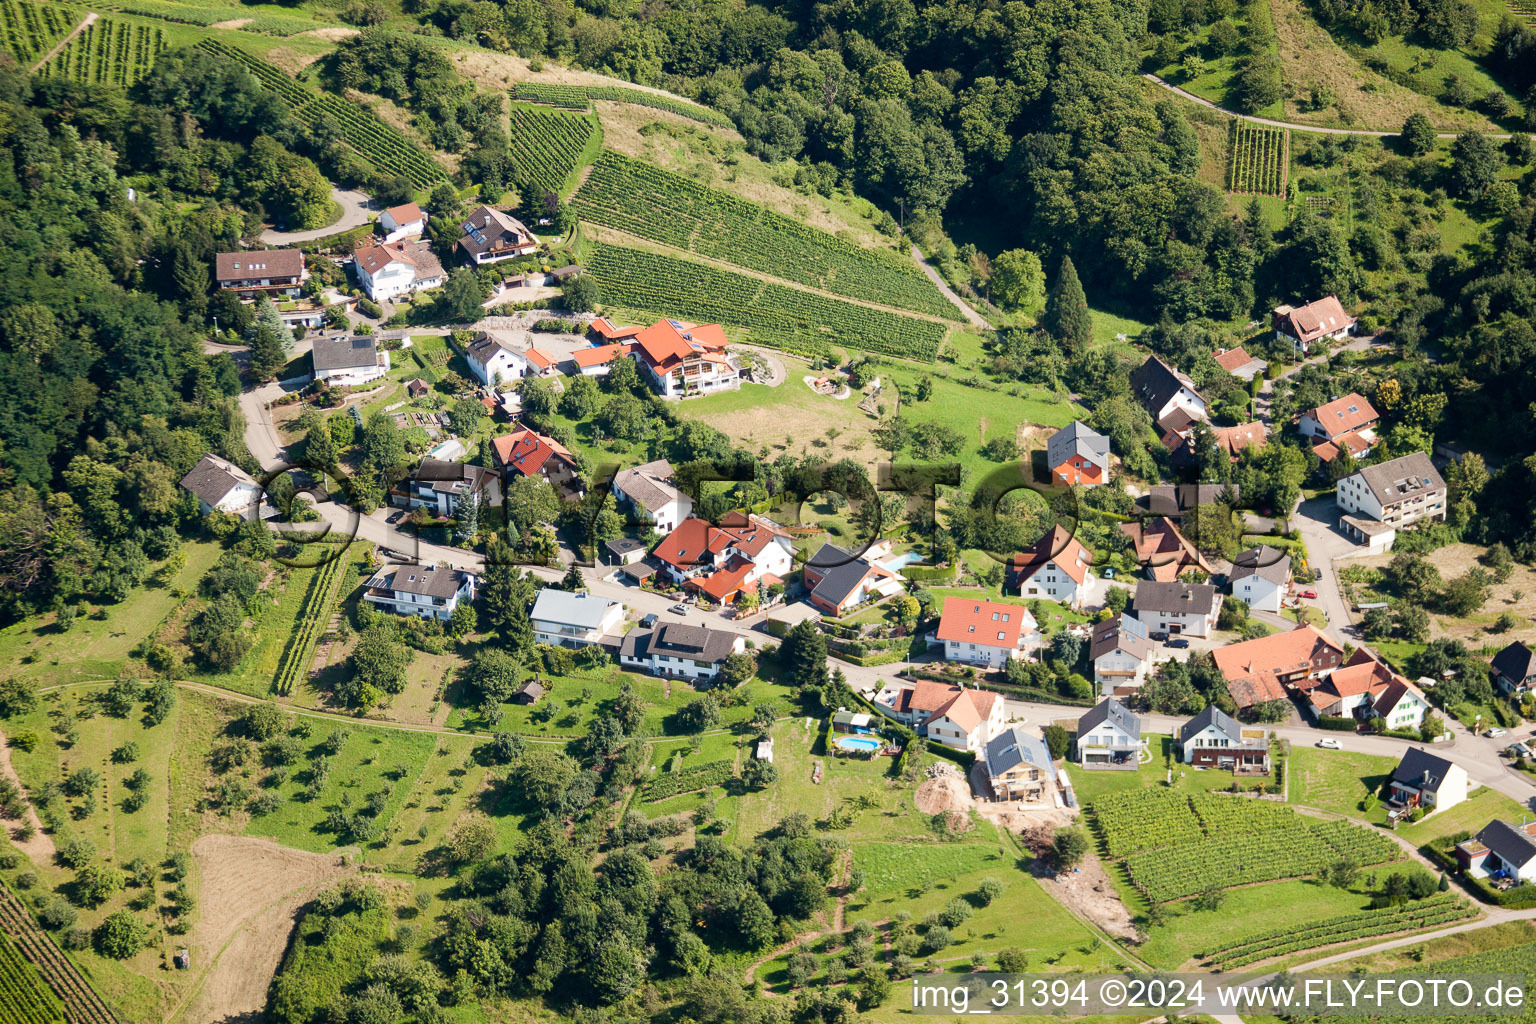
1330	744
1494	733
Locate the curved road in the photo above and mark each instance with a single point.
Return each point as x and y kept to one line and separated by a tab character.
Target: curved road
1285	124
356	210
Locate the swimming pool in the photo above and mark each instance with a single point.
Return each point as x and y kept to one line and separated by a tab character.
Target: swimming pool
896	563
866	744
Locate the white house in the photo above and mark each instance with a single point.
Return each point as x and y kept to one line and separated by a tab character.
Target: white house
1352	414
1190	609
1212	739
494	361
1261	577
1501	850
955	716
678	650
1303	325
1514	669
1365	687
418	590
649	491
395	269
219	484
1120	652
443	487
1167	394
402	222
492	235
1109	736
986	633
344	360
1055	568
565	619
1423	780
1398	492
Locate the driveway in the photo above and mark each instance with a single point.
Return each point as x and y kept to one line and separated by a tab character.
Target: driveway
1318	522
356	210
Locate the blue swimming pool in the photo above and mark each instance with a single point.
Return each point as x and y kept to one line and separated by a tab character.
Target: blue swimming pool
896	563
867	744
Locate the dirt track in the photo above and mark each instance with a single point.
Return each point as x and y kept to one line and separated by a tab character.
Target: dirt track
39	848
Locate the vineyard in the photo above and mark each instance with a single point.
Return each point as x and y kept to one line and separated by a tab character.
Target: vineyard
1442	908
773	314
1176	846
700	776
318	602
28	30
1260	160
189	14
372	139
108	53
548	146
24	997
81	1003
580	97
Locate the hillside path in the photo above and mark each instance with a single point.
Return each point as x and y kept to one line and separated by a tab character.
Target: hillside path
974	318
90	19
1286	124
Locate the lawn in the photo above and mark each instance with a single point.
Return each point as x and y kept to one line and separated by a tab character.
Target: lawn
1337	780
1091	784
1468	816
1108	328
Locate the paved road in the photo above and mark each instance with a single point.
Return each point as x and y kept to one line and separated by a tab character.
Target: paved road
1286	124
356	210
971	316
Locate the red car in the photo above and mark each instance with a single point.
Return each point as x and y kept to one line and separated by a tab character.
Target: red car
1309	594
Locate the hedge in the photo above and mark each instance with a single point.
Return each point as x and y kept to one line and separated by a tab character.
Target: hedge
1336	723
870	660
929	573
1519	897
964	758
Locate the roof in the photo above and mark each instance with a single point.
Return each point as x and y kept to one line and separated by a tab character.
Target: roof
1512	844
1239	363
486	229
649	485
1057	546
485	346
667	343
1077	438
532	688
409	213
566	608
1165	552
598	355
696	541
257	264
1175	500
1212	715
344	352
838	582
1155	383
528	452
1233	440
451	476
1120	633
423	582
416	255
1325	316
1401	478
604	328
1517	662
213	478
966	708
538	357
624	545
1340	416
1176	598
1265	562
1013	747
696	643
1349	442
1253	667
990	623
1112	711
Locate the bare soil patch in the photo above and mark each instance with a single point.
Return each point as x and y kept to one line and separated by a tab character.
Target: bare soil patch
947	791
293	61
334	32
1089	892
39	848
232	23
250	893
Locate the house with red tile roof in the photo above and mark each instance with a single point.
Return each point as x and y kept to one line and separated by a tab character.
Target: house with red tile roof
1056	568
527	453
1366	687
955	716
402	222
1164	553
1348	417
678	360
988	633
722	561
1303	325
1263	669
1239	363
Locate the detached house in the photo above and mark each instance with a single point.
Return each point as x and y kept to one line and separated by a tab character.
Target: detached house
1423	780
344	360
1239	363
1078	455
1190	609
1019	765
1261	577
722	561
526	453
1212	739
1164	553
1397	493
491	236
679	651
1514	669
1501	851
839	581
1173	500
1167	394
429	592
1121	653
1109	736
276	273
394	269
649	491
1304	325
957	717
564	619
1344	426
220	485
1366	688
402	222
1260	670
444	487
495	362
1055	568
985	633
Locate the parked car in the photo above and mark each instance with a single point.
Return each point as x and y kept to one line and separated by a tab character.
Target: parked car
1330	744
395	516
1494	733
648	621
1310	595
1109	572
1178	642
1517	750
679	609
1158	634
